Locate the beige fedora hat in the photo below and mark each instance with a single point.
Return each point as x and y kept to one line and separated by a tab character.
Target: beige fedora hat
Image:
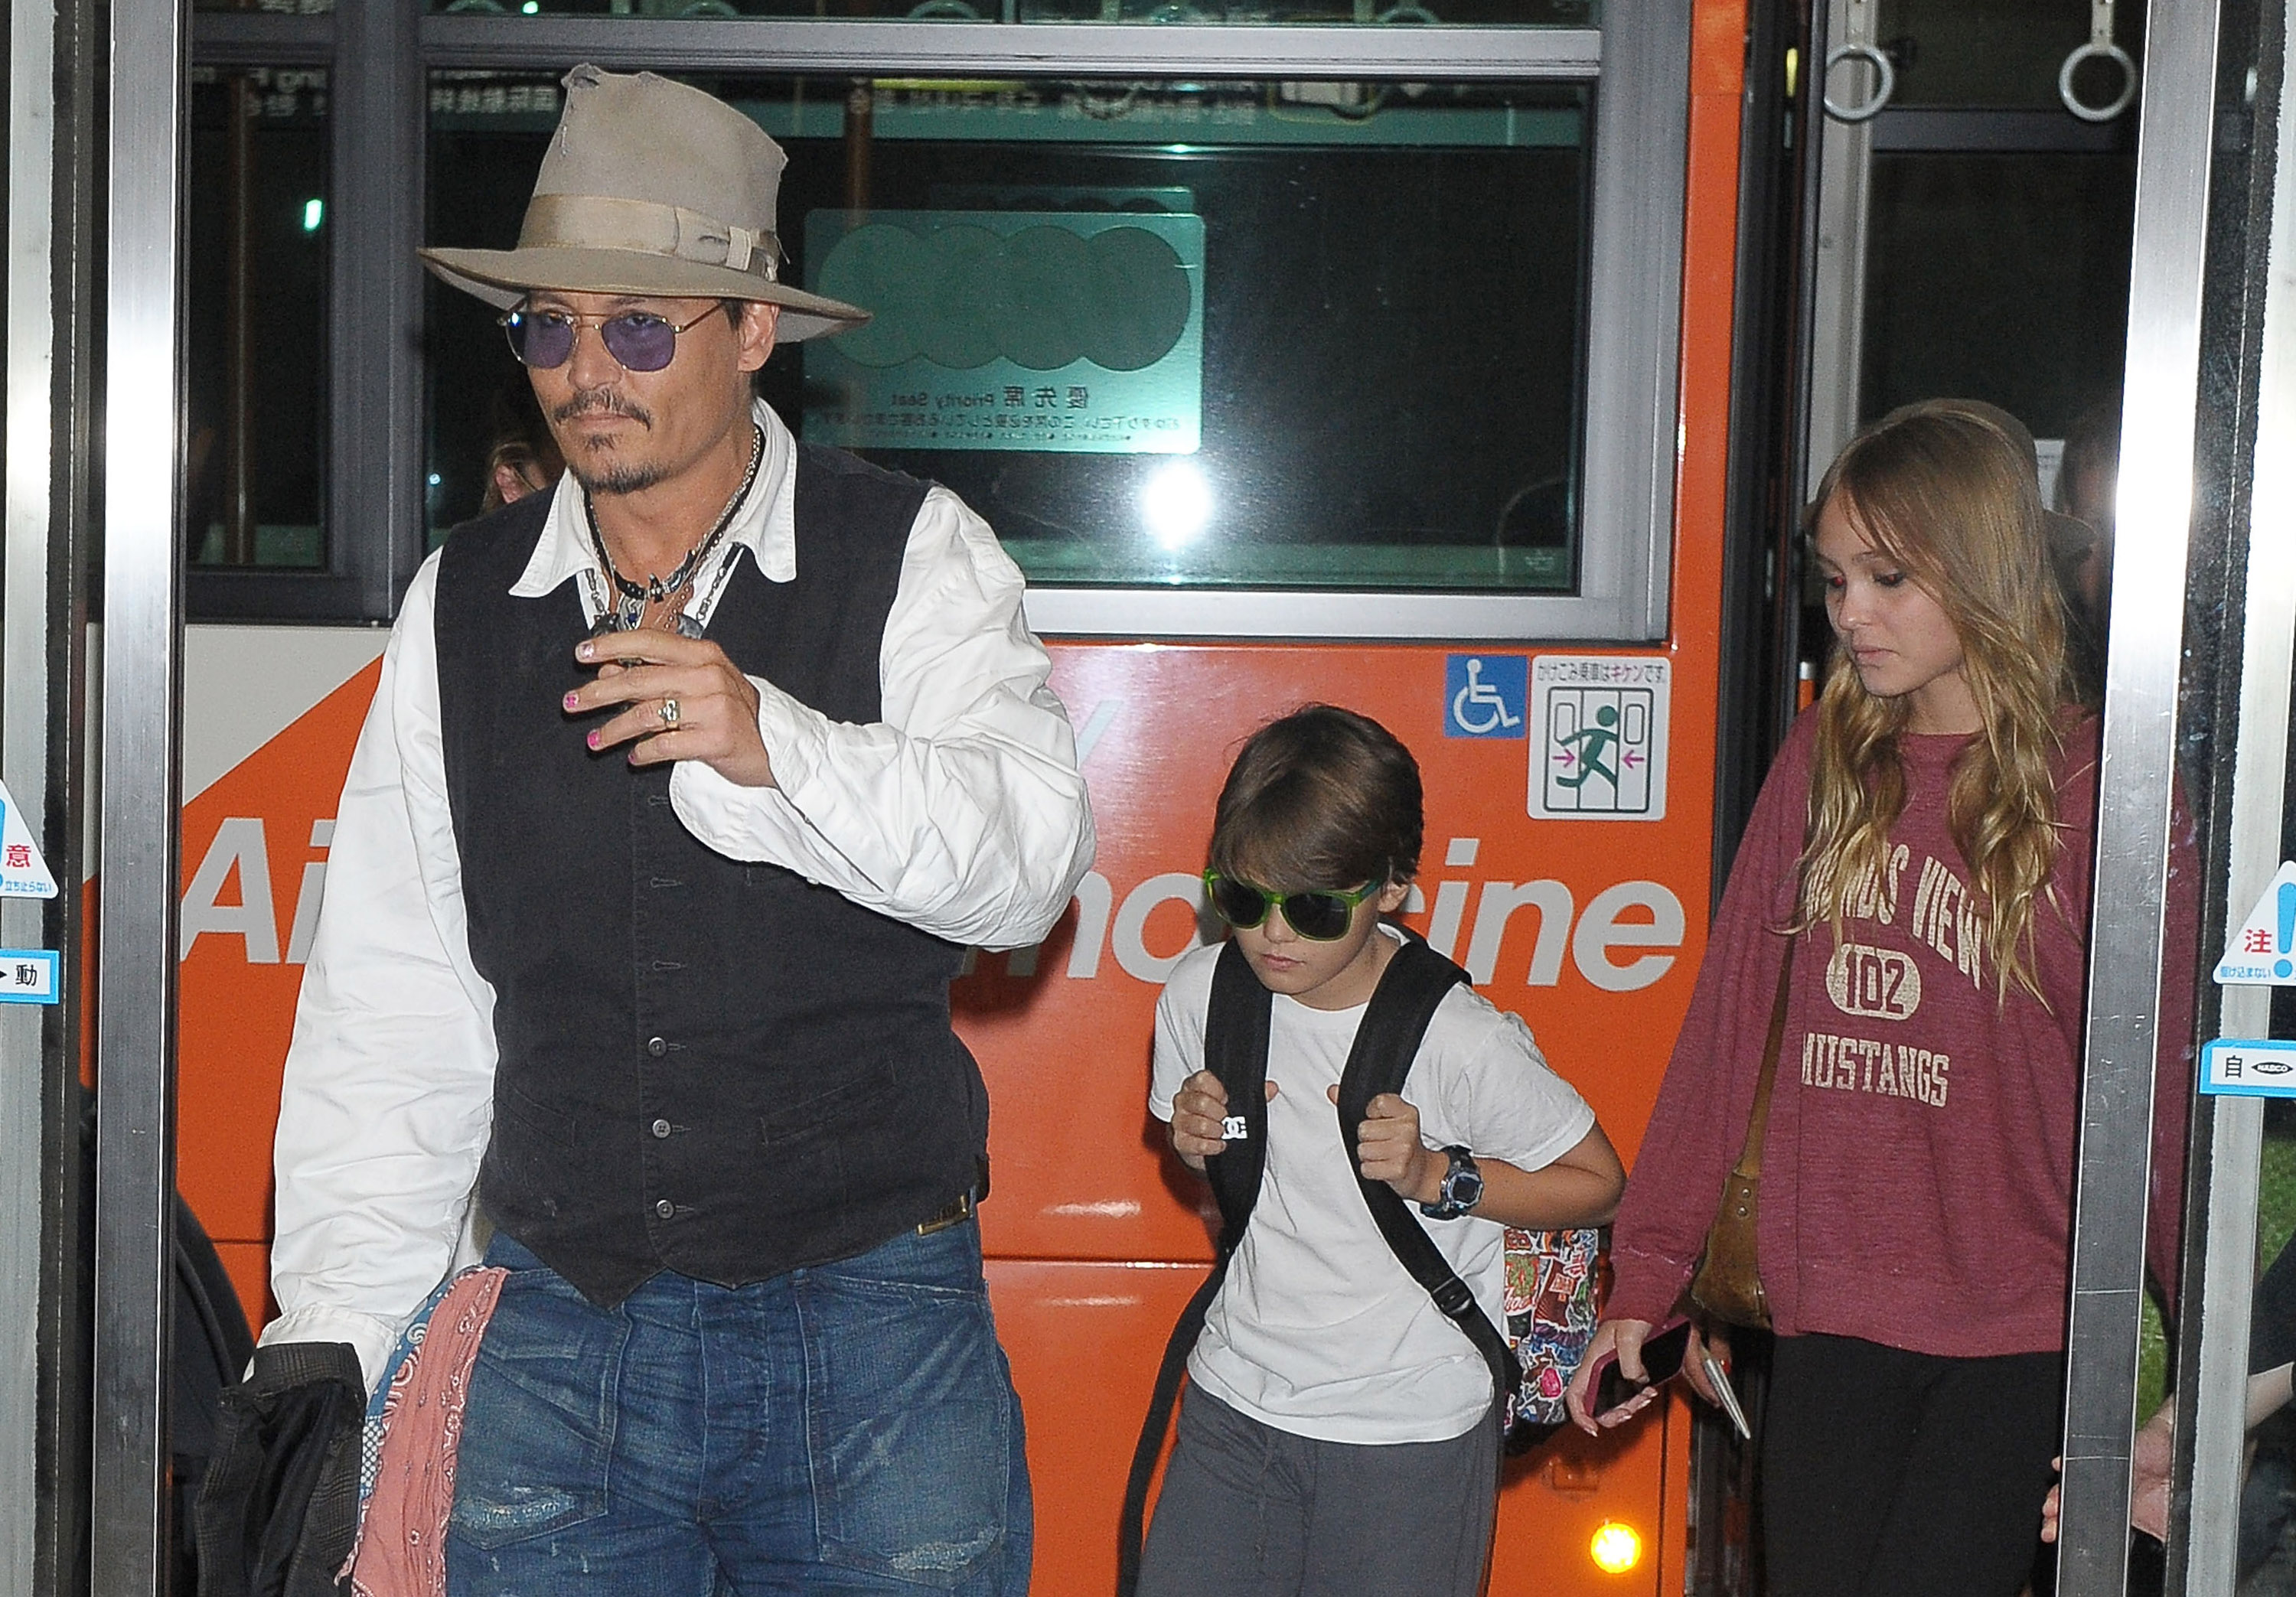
649	187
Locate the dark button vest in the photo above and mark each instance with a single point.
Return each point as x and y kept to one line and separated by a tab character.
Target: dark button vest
705	1066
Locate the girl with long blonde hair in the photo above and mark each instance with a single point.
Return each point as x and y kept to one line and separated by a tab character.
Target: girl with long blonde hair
1907	915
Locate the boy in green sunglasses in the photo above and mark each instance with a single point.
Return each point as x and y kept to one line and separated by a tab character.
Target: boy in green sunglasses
1327	1391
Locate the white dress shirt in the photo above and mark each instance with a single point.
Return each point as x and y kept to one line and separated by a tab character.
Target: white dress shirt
961	813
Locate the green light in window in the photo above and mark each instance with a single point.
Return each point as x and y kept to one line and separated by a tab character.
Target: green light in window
314	211
530	7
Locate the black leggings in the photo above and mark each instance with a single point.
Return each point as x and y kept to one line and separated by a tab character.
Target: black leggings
1887	1472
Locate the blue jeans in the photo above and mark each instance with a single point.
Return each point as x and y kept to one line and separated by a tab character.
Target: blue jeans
849	1428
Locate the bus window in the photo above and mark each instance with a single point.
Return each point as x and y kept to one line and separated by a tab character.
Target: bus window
1188	334
1976	227
1962	54
256	318
1563	13
1998	257
2023	255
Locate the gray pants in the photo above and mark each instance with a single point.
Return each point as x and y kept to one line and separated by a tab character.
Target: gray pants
1255	1512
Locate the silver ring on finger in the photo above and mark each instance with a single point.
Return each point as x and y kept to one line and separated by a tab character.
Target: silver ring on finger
670	712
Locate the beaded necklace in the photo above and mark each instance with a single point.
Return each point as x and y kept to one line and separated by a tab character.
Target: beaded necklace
628	612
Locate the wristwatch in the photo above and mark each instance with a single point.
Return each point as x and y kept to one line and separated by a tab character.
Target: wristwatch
1460	1190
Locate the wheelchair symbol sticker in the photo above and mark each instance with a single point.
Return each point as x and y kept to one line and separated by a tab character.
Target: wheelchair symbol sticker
1599	749
1483	696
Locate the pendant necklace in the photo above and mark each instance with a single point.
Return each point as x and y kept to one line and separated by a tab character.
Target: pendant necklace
628	611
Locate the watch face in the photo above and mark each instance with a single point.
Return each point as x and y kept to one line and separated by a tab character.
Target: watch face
1463	1185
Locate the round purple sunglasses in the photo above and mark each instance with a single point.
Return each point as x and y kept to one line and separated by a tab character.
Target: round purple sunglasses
639	339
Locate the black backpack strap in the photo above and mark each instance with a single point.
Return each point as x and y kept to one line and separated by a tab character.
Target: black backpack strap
1235	1050
1415	984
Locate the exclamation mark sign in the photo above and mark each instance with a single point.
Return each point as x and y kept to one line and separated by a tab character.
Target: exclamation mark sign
2285	939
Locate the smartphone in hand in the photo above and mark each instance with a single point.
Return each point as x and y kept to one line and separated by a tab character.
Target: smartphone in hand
1663	1351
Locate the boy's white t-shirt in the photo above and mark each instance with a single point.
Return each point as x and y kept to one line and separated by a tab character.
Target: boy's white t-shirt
1318	1330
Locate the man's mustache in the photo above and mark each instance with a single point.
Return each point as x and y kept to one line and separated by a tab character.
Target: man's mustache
604	401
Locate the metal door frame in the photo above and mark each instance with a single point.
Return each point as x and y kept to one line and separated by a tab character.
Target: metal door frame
139	798
2252	740
45	1387
2181	544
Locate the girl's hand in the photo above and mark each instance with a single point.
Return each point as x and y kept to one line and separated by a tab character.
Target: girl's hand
1390	1149
1627	1337
1199	1110
1694	1359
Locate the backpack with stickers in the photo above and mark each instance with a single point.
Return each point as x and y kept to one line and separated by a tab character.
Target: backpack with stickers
1549	1274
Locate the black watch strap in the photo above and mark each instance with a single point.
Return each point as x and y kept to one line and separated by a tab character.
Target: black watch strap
1462	1187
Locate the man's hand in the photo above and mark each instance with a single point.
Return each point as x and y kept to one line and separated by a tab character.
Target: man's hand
1199	1110
1390	1149
717	715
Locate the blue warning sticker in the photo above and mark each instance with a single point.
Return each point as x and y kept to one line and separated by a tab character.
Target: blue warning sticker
2249	1067
29	976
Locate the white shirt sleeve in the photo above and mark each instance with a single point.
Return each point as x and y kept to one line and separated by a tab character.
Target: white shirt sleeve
962	812
1182	1010
1491	1090
388	1099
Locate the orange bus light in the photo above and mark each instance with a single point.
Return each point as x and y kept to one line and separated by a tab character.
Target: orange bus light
1616	1548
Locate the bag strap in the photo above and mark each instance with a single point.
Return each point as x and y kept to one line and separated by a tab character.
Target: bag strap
1411	989
1758	1124
1235	1050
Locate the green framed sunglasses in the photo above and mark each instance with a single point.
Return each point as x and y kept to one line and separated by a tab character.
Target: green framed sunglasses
1322	916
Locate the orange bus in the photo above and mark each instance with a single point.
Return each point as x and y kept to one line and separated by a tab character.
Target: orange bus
1446	364
1471	483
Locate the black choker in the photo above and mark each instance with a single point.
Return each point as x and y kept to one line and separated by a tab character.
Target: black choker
627	615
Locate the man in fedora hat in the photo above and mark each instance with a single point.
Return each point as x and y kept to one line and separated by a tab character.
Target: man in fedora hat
684	788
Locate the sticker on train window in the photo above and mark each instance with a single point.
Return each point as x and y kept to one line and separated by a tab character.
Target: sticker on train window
23	873
2249	1067
2262	948
1065	332
1598	737
29	976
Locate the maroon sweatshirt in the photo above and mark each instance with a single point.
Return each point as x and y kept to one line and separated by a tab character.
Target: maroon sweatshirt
1917	1178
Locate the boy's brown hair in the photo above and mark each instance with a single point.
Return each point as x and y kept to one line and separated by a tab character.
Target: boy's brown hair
1321	798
